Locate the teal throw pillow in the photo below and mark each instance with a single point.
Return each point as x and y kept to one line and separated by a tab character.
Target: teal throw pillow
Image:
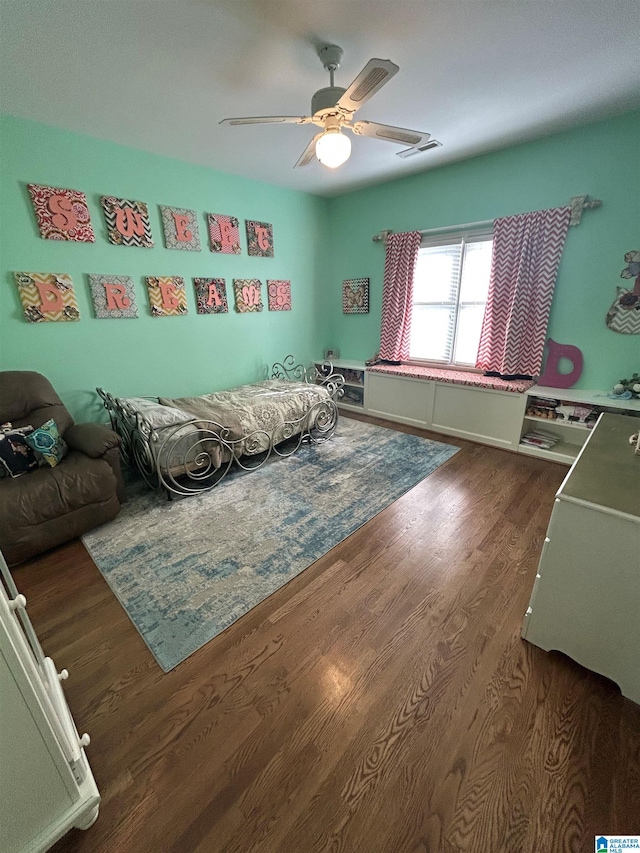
47	441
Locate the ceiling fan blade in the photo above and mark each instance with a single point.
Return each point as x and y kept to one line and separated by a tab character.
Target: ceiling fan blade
373	76
309	152
399	135
267	120
409	152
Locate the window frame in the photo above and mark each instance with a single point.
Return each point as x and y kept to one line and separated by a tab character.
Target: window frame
453	237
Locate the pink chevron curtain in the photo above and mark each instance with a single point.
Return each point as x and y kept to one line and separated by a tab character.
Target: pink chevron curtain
397	294
526	253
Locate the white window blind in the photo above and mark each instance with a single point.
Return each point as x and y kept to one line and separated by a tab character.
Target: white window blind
449	297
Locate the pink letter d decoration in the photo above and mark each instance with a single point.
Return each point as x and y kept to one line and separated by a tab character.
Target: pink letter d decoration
552	377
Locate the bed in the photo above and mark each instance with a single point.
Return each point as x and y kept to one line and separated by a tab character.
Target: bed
187	445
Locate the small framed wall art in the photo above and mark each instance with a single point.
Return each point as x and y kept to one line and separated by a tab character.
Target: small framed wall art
279	295
224	233
167	295
259	238
113	296
61	214
127	222
355	296
248	295
47	297
180	228
211	296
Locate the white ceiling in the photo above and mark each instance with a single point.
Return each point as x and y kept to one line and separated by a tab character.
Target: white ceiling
160	74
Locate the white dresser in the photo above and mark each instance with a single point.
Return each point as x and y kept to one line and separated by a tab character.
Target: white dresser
586	596
46	784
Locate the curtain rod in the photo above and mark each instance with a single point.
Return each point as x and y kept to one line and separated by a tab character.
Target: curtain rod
577	204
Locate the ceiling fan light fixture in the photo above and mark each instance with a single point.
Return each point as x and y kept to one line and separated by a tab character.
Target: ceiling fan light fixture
333	108
333	148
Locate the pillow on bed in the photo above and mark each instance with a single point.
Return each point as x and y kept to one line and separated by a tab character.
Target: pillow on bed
157	414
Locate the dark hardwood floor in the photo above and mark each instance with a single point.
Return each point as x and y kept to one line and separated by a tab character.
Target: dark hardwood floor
381	702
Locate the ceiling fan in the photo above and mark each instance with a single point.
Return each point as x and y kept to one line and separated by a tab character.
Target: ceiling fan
333	108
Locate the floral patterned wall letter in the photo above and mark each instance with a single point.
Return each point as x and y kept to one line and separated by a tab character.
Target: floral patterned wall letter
180	228
113	296
61	214
127	222
259	238
248	294
211	295
224	233
167	295
279	293
47	296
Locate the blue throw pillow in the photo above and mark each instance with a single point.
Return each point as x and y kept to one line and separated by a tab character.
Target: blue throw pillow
48	443
16	456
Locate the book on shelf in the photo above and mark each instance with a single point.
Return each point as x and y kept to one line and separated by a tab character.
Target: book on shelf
540	438
545	402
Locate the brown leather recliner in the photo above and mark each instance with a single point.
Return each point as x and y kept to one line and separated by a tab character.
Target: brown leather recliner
49	506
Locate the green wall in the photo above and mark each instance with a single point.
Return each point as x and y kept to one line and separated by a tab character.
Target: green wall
599	159
169	355
318	243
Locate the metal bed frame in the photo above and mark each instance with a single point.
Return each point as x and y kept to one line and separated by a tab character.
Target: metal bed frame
194	456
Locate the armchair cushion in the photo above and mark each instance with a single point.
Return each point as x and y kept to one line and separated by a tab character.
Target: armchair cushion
27	397
92	439
52	505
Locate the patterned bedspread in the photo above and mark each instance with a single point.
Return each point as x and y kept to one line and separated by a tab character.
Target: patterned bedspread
263	407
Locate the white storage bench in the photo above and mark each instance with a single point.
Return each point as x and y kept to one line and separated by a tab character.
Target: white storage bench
463	404
479	408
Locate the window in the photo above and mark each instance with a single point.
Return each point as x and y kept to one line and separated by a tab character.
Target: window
449	296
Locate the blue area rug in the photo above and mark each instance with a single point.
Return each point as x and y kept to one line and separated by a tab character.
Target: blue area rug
185	570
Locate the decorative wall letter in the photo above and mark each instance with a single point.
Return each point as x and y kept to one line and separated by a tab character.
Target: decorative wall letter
180	228
259	238
167	296
61	214
552	377
47	296
127	222
211	296
355	296
113	296
248	295
224	233
279	293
